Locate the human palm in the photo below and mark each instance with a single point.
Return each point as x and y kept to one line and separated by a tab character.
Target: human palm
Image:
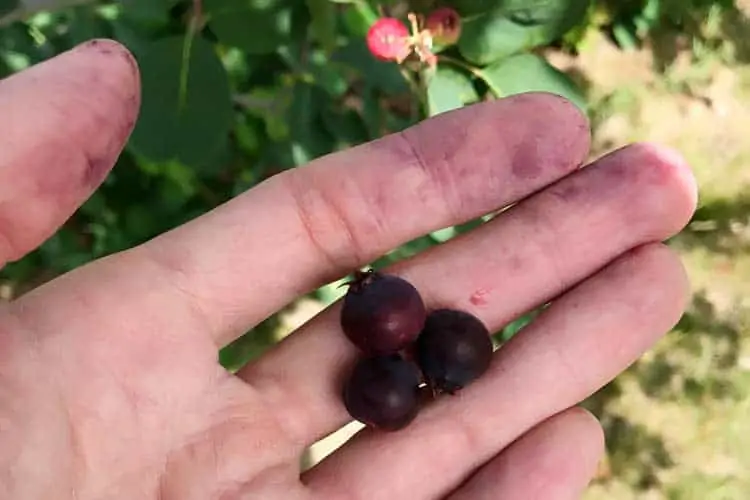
110	387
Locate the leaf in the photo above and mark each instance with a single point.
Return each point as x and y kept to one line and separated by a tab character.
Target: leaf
255	26
382	75
515	25
346	126
473	7
514	327
308	136
149	12
8	6
323	13
86	25
358	17
194	131
449	89
529	73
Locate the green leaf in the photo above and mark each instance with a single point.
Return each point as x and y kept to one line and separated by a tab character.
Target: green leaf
86	25
358	17
191	131
516	25
255	26
347	127
382	75
473	7
7	6
326	74
150	12
514	327
530	73
309	138
323	27
449	89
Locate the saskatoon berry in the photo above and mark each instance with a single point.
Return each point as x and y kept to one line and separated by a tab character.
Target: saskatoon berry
453	349
383	392
388	40
382	314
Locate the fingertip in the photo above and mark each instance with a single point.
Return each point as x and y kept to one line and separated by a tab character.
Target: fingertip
114	63
663	190
679	172
557	116
534	137
588	426
665	278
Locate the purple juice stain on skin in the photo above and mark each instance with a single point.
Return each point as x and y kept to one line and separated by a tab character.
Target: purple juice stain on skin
95	171
568	191
526	164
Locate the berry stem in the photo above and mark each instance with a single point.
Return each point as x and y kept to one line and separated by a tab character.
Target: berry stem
477	72
416	111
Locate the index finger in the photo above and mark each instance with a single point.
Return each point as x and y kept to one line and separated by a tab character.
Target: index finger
233	267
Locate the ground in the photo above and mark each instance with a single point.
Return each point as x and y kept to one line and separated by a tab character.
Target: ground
686	403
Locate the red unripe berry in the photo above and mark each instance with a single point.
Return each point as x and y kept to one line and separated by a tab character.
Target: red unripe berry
445	26
388	40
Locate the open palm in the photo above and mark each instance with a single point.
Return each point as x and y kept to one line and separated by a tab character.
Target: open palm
110	386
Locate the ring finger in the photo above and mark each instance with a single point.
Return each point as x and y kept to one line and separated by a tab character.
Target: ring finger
553	461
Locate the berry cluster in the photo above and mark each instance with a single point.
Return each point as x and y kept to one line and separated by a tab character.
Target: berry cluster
405	346
390	40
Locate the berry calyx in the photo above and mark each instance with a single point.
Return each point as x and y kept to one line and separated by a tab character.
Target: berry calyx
453	350
389	40
381	313
445	25
383	392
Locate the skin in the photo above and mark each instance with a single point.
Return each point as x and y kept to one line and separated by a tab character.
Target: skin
109	381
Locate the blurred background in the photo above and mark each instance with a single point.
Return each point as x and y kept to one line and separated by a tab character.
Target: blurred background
235	91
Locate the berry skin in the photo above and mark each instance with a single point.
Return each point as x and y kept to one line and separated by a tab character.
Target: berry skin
383	392
382	314
453	350
445	26
389	40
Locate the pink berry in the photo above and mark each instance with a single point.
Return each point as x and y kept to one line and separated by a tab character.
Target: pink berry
445	26
388	40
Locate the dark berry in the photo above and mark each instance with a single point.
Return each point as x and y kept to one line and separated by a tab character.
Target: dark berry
382	314
383	392
453	349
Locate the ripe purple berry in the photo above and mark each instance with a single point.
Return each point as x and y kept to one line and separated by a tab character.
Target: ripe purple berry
382	314
453	350
383	392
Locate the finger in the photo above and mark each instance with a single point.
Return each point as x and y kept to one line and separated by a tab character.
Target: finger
553	461
578	344
235	266
523	258
65	121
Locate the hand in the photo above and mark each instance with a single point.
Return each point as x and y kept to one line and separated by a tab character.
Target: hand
109	382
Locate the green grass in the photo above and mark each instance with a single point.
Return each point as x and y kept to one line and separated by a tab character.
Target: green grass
678	422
